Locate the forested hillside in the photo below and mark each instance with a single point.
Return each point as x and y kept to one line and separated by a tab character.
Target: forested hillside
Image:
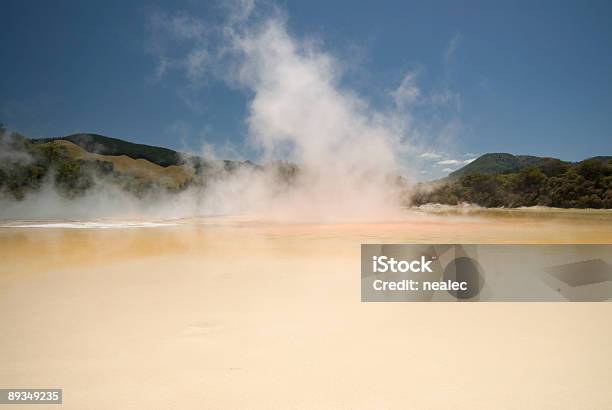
503	180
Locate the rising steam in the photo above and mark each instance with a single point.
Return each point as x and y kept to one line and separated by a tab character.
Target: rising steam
347	152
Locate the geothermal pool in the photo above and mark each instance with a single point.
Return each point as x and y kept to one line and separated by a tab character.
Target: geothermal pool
246	312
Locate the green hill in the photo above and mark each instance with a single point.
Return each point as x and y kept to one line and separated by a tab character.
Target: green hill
602	159
503	163
505	180
77	163
99	144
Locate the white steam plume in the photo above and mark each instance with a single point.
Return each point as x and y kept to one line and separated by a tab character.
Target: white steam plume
346	151
349	153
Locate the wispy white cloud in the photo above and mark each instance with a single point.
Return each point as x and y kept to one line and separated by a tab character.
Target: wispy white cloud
407	92
449	162
455	161
168	34
445	96
431	155
451	48
195	63
238	10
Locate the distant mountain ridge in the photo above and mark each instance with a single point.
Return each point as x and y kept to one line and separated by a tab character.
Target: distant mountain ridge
504	163
100	144
506	180
487	164
77	163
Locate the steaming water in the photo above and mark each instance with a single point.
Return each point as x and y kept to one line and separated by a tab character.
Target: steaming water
240	312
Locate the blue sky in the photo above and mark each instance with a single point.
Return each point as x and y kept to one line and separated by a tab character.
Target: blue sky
520	77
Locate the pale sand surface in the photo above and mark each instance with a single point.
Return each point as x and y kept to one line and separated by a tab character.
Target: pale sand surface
234	313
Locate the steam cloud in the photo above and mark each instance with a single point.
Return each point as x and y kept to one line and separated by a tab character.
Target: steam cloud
347	152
